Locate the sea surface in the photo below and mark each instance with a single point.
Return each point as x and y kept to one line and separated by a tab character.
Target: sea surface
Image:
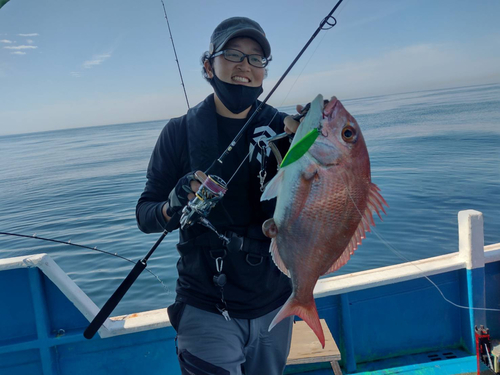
433	153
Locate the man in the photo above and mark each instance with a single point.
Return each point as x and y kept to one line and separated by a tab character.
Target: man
226	295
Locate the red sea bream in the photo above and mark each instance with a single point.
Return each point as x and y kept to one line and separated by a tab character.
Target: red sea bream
325	201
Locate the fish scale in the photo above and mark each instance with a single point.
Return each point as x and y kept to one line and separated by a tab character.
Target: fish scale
324	206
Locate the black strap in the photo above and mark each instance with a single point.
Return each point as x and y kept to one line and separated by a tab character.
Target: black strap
210	241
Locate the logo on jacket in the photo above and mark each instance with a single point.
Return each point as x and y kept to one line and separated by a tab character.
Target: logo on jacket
259	135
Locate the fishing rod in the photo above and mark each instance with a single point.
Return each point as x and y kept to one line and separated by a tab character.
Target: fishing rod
192	211
210	192
326	21
117	296
175	53
34	236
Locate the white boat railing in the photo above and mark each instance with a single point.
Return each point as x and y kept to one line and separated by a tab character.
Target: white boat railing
472	254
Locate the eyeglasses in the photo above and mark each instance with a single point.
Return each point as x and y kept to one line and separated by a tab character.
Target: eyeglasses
234	55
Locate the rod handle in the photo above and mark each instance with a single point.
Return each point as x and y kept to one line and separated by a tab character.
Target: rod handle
113	301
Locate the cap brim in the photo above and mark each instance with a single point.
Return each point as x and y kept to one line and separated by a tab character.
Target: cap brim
249	33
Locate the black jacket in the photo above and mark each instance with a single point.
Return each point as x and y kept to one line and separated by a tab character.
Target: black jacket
254	284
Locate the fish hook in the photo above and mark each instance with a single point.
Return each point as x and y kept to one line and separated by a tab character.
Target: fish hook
322	132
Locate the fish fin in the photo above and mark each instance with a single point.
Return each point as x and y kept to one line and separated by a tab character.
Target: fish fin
308	176
272	189
277	257
375	203
307	313
310	172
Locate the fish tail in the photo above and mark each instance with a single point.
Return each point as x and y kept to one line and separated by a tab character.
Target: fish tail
307	313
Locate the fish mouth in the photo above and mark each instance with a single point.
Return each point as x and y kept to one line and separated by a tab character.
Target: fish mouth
330	107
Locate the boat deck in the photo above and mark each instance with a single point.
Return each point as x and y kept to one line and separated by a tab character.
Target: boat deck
446	362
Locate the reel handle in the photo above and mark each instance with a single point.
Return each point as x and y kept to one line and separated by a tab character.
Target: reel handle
200	176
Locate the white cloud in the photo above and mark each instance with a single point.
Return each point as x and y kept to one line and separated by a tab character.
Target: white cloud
20	47
29	41
18	53
5	41
32	34
96	60
75	74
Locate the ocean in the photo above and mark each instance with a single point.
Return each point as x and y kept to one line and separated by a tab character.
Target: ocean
433	154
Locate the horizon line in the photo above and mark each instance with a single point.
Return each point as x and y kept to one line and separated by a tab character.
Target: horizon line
283	106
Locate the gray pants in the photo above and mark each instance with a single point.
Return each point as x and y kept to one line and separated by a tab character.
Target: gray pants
230	344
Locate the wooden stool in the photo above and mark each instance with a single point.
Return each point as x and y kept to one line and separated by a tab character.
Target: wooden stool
306	348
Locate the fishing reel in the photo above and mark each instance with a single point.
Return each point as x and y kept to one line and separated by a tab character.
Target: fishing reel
211	191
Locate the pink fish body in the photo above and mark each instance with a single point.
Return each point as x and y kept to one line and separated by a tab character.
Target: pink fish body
324	206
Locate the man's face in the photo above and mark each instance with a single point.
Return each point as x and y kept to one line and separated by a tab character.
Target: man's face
241	73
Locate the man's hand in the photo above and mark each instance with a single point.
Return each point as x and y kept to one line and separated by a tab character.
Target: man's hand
182	193
291	125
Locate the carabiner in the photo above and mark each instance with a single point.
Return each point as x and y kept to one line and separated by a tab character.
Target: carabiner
219	263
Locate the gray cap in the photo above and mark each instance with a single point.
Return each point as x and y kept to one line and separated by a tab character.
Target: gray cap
238	27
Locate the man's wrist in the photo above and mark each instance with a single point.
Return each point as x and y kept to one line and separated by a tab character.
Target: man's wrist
164	211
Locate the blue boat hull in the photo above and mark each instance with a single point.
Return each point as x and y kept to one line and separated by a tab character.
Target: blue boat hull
386	320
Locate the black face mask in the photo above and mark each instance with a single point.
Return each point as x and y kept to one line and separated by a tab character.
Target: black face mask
236	98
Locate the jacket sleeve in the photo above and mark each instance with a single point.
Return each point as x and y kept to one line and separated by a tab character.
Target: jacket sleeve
162	176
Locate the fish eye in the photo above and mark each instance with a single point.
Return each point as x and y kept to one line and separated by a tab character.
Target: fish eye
348	133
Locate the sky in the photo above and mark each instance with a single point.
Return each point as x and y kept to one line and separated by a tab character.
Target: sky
66	64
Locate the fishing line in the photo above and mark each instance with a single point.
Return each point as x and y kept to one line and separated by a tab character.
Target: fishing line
312	55
302	71
390	247
261	105
234	174
330	26
432	282
34	236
